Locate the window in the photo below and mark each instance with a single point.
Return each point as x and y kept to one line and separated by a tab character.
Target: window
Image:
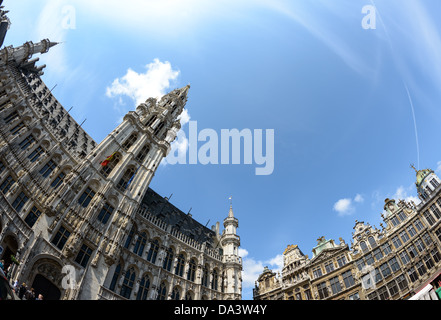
140	244
413	275
179	269
115	277
386	248
105	213
48	168
58	180
420	267
61	237
412	251
144	286
395	221
360	264
329	266
435	255
419	245
348	279
6	185
429	217
153	252
405	259
27	142
373	296
127	286
162	292
129	238
396	242
402	282
17	128
435	211
341	261
308	294
151	121
20	201
11	116
378	254
438	234
130	141
36	154
188	296
393	288
428	261
86	197
158	129
168	261
205	276
214	282
123	183
2	166
176	294
322	290
434	182
369	259
191	270
32	217
383	294
385	270
143	153
317	272
363	246
107	169
394	265
354	296
372	242
411	230
404	236
83	256
418	224
427	239
402	215
378	276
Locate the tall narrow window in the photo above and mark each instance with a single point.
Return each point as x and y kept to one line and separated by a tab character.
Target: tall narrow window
123	182
176	294
158	129
127	286
107	169
6	185
143	153
214	282
83	256
129	238
32	217
48	168
36	154
162	292
27	142
130	141
105	213
115	277
17	128
179	270
153	252
140	244
61	237
12	116
144	286
151	121
205	275
429	217
20	201
58	180
191	270
168	261
86	197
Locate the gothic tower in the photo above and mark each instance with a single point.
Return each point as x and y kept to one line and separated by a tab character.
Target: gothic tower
99	198
230	243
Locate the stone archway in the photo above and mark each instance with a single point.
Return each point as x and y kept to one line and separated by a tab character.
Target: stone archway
46	279
10	248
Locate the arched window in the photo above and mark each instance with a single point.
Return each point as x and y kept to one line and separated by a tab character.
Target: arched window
372	242
143	153
127	286
158	129
129	238
363	246
153	252
179	270
176	293
214	282
144	286
168	259
123	183
189	295
205	276
130	141
115	277
162	291
140	244
191	270
151	121
110	165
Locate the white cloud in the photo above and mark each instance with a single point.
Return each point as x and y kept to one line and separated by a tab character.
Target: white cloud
344	207
403	193
140	86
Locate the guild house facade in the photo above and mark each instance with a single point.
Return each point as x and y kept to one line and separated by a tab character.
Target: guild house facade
402	260
78	219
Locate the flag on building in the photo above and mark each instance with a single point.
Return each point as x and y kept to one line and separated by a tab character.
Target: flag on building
108	160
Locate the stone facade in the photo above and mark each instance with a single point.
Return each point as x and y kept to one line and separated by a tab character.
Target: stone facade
394	263
79	217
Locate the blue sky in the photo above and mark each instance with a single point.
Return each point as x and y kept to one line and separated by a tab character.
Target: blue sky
351	107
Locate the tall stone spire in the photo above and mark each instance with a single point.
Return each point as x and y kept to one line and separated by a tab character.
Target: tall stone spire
24	52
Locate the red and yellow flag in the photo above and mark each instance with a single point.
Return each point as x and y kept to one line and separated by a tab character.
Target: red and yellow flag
108	159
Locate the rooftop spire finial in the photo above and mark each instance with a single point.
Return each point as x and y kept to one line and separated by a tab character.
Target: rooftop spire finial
413	167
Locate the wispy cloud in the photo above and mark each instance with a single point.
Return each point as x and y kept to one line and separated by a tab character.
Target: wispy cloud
346	206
